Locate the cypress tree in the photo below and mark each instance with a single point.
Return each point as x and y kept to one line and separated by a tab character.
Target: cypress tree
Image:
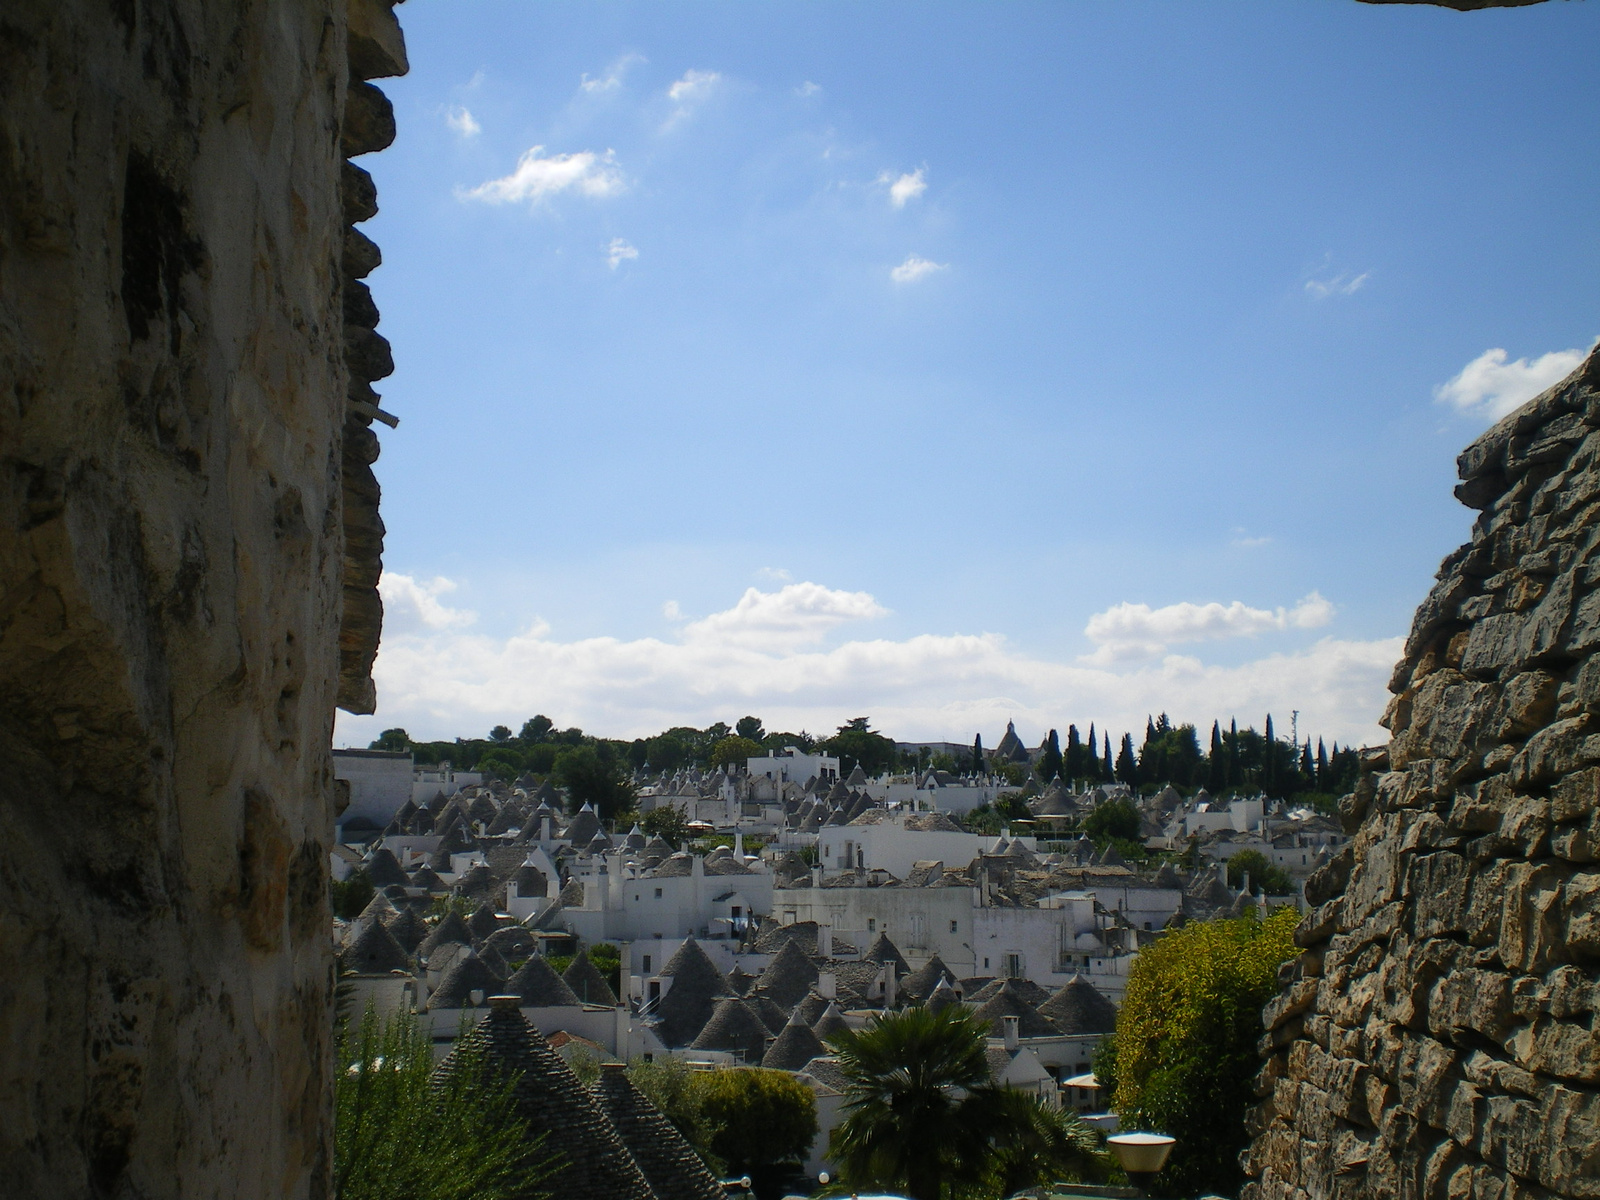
1322	767
1217	775
1074	756
1106	772
1127	768
1233	752
977	754
1050	760
1269	763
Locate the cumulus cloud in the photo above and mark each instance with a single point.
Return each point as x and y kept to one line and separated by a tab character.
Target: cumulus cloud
463	122
1489	387
1130	631
408	600
808	89
769	654
905	187
618	252
797	614
612	79
689	92
538	178
914	268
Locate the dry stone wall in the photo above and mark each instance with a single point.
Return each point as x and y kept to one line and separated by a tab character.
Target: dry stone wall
188	555
1437	1037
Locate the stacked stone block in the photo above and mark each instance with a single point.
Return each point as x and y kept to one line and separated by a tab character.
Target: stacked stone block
1437	1037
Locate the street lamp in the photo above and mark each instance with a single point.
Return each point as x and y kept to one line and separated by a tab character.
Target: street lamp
1141	1155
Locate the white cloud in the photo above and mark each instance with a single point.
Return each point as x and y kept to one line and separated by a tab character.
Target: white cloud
1342	284
766	655
1489	387
808	89
906	187
797	614
671	611
408	600
689	92
1129	631
1244	541
914	268
537	178
619	250
612	79
463	122
775	574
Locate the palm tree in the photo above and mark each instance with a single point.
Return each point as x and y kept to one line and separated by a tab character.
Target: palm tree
925	1118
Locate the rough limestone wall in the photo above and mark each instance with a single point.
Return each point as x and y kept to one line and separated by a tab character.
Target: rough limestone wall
174	438
1438	1036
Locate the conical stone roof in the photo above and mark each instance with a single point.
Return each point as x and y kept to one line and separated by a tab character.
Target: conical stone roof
685	1007
942	997
467	974
586	982
483	921
583	827
426	878
670	1165
789	976
920	983
830	1024
883	950
383	868
450	929
1078	1007
537	985
1026	989
812	1007
596	1164
407	929
795	1047
772	1015
740	980
375	952
1007	1003
735	1028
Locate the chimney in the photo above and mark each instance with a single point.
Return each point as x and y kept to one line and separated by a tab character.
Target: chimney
891	986
1012	1039
827	985
824	940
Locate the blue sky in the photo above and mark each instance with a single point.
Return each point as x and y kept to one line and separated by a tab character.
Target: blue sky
1062	362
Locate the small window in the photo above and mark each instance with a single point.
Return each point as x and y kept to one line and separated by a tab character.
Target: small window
658	893
647	964
954	925
739	912
986	964
872	924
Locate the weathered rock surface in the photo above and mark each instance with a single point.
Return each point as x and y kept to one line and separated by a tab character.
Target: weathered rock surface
1438	1036
178	575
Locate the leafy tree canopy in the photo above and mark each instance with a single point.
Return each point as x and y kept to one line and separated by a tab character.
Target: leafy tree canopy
855	744
668	822
761	1118
391	739
1186	1039
1265	878
400	1134
592	776
500	733
749	727
1115	820
734	750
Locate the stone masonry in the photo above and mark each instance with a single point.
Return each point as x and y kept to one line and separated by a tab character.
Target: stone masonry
1437	1037
188	559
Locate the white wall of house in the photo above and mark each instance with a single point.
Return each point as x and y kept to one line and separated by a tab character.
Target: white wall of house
791	765
891	847
429	780
380	783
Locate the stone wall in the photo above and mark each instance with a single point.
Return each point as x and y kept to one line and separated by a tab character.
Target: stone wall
188	552
1437	1037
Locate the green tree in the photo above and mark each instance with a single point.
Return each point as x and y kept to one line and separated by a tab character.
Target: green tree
536	728
1115	820
1265	878
500	733
1186	1042
607	959
1127	767
734	750
1049	765
749	727
1216	762
762	1122
401	1134
592	777
351	894
978	761
392	739
668	822
668	1083
924	1117
856	744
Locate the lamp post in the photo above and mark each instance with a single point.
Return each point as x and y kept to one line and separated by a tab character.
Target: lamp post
1141	1156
